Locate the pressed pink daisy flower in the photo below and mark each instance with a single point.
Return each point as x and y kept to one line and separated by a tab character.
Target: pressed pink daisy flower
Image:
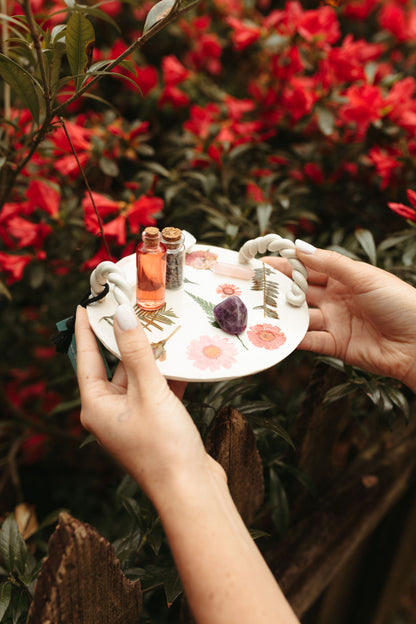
212	352
266	336
226	290
201	259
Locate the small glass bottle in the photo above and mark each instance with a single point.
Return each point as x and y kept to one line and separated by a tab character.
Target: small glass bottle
173	239
151	270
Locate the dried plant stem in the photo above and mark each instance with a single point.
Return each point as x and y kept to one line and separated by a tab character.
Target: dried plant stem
10	471
5	48
51	113
97	214
172	15
36	42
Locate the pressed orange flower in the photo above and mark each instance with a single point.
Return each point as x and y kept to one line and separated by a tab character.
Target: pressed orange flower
266	336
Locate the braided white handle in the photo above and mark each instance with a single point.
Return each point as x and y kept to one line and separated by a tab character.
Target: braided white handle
287	249
108	271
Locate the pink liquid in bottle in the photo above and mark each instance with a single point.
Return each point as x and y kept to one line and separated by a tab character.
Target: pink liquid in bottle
151	270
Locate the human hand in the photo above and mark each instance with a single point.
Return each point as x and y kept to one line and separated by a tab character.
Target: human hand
136	416
358	313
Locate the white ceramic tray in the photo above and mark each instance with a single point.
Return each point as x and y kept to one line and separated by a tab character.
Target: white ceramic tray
186	344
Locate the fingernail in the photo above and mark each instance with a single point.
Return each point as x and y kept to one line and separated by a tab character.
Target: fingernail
126	317
304	247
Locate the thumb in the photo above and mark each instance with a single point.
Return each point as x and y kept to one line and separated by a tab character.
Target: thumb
331	263
135	350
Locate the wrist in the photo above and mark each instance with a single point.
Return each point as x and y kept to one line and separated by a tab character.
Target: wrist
189	486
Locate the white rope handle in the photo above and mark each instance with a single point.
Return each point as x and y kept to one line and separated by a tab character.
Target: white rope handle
108	271
287	249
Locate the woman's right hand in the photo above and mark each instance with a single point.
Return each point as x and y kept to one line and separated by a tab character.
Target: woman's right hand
359	313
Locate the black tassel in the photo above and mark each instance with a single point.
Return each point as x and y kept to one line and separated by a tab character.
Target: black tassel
62	340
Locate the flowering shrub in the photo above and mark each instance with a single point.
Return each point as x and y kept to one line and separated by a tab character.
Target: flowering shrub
235	120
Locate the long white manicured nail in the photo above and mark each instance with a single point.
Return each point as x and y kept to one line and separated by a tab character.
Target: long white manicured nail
304	247
126	317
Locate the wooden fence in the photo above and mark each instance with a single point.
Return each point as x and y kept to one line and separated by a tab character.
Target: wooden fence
346	557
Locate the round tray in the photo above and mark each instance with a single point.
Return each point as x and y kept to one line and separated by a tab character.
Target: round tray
186	344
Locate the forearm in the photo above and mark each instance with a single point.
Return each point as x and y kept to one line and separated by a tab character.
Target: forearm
225	578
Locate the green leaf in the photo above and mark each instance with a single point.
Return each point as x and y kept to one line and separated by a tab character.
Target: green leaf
264	212
13	549
133	509
366	240
279	503
155	540
5	598
109	167
22	84
272	425
88	440
207	306
97	13
258	533
158	12
20	604
172	585
398	399
80	37
337	392
326	121
3	288
332	361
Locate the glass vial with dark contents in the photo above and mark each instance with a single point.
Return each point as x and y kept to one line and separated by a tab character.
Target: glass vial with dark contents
173	239
151	270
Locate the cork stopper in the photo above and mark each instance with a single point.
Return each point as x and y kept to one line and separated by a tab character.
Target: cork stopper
171	236
152	232
152	236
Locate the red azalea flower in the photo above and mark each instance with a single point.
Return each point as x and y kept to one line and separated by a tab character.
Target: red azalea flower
13	266
112	7
44	195
173	71
299	96
174	96
44	353
137	212
81	142
319	26
285	65
205	54
146	79
27	233
401	102
236	108
365	105
386	162
255	193
245	34
403	210
314	172
359	9
399	22
34	448
201	120
346	63
99	257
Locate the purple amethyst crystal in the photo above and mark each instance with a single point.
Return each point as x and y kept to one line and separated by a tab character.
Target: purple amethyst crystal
231	315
